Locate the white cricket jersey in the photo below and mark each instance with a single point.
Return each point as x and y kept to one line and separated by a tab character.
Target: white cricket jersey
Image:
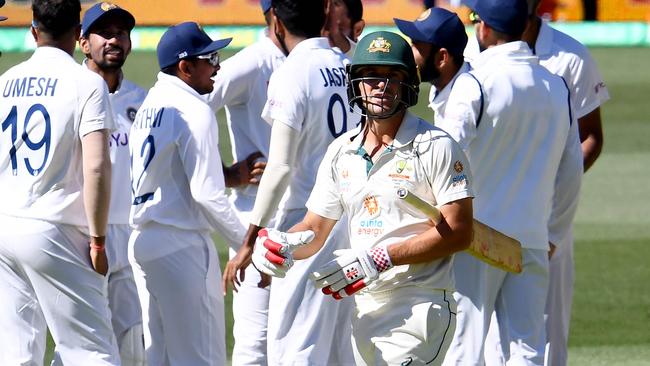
308	93
512	117
49	102
176	170
570	59
125	102
423	159
438	100
240	86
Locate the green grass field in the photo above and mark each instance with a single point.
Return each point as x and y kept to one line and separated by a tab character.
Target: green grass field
611	313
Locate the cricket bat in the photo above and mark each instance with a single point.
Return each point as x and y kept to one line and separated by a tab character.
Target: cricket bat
488	244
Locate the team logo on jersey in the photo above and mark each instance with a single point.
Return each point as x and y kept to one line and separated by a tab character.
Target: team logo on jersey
379	45
130	113
371	205
107	6
458	166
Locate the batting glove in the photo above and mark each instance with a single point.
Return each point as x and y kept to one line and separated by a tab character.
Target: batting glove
352	270
273	250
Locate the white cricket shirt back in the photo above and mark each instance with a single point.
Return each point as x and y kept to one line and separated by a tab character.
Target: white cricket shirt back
515	142
308	92
49	102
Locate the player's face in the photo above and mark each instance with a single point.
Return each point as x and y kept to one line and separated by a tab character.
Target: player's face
425	55
380	87
201	73
109	43
339	14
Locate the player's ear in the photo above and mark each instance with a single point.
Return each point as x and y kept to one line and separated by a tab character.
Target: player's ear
442	58
357	29
185	68
84	45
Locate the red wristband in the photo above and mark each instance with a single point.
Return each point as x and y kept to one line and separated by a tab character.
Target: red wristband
99	248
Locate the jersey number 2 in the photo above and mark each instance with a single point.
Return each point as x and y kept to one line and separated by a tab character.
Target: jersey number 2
11	122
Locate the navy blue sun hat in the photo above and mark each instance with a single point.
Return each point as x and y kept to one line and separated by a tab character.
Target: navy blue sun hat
186	40
437	26
506	16
101	10
266	5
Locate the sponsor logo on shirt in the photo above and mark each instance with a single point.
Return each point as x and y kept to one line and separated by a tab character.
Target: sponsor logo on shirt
130	113
371	228
371	205
459	180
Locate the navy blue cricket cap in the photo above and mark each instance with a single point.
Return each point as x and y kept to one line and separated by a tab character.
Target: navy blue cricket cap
505	16
266	5
186	40
437	26
2	3
101	10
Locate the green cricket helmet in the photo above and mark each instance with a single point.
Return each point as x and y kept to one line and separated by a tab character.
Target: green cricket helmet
384	49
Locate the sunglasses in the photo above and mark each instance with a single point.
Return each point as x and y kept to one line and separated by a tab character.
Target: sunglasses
474	18
212	58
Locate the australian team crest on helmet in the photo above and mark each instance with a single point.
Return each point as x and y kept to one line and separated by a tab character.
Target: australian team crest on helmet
379	44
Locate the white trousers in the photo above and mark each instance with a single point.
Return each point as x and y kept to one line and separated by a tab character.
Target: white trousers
250	305
557	315
405	326
306	327
517	299
47	279
179	284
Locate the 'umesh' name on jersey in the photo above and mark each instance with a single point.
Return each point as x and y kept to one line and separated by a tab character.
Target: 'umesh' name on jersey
30	86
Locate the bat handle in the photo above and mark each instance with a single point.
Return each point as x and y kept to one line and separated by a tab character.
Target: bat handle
426	208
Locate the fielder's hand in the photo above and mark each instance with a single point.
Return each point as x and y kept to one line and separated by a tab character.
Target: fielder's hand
98	257
245	172
273	250
352	270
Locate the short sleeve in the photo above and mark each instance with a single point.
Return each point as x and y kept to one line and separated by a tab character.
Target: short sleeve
95	111
233	82
451	178
589	90
287	98
325	199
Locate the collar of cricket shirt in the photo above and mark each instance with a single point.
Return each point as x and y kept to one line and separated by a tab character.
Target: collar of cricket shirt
544	43
496	55
178	83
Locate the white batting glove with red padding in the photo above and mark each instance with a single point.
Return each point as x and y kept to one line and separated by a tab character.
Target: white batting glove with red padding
273	250
352	270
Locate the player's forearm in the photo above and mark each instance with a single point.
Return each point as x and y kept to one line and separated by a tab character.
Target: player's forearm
451	235
97	181
591	137
321	226
276	177
223	218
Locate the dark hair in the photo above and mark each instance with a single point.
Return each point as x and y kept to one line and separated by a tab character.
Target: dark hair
355	10
303	18
56	17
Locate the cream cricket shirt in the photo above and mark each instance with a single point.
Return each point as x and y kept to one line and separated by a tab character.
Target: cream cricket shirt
308	93
423	159
49	102
515	141
176	171
241	86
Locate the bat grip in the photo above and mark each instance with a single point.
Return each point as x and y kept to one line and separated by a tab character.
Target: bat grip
426	208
